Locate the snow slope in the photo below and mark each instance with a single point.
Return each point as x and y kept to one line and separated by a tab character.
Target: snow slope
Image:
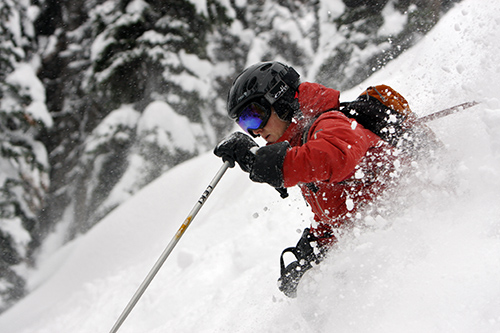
431	266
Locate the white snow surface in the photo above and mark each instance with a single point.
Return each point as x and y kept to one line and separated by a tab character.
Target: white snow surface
433	265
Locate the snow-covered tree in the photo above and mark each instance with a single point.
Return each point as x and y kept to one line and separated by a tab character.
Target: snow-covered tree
24	168
125	54
371	33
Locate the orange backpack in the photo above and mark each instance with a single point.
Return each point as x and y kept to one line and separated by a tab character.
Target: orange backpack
392	99
383	111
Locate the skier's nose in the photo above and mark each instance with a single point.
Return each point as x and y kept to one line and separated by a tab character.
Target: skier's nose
257	132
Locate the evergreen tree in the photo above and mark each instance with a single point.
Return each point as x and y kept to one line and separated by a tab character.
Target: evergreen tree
126	53
366	41
23	159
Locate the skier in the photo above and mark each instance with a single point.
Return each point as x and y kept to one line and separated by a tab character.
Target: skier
340	166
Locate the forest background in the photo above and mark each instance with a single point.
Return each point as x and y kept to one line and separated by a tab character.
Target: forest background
99	98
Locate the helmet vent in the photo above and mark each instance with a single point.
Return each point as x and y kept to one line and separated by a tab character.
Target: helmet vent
251	83
265	67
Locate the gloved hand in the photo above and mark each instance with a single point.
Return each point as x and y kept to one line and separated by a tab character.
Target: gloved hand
237	148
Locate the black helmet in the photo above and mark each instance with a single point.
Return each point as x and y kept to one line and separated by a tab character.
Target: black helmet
270	84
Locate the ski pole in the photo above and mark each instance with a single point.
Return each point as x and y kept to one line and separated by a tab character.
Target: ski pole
445	112
169	248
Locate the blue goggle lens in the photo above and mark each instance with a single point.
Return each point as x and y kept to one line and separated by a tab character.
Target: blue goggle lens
253	117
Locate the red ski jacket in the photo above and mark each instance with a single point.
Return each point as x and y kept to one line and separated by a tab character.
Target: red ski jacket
340	166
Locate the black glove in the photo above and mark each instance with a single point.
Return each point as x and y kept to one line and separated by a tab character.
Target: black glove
268	164
236	148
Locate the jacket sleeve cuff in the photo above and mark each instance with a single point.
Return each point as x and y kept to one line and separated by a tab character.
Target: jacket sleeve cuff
268	165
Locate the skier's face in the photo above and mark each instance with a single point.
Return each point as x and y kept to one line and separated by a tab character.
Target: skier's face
274	128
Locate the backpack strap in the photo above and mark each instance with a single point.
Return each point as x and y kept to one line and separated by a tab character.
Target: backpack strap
382	98
307	128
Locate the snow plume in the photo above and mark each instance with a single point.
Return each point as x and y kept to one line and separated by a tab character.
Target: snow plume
429	264
432	265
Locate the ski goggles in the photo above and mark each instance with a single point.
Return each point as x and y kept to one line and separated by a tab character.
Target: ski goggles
253	117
